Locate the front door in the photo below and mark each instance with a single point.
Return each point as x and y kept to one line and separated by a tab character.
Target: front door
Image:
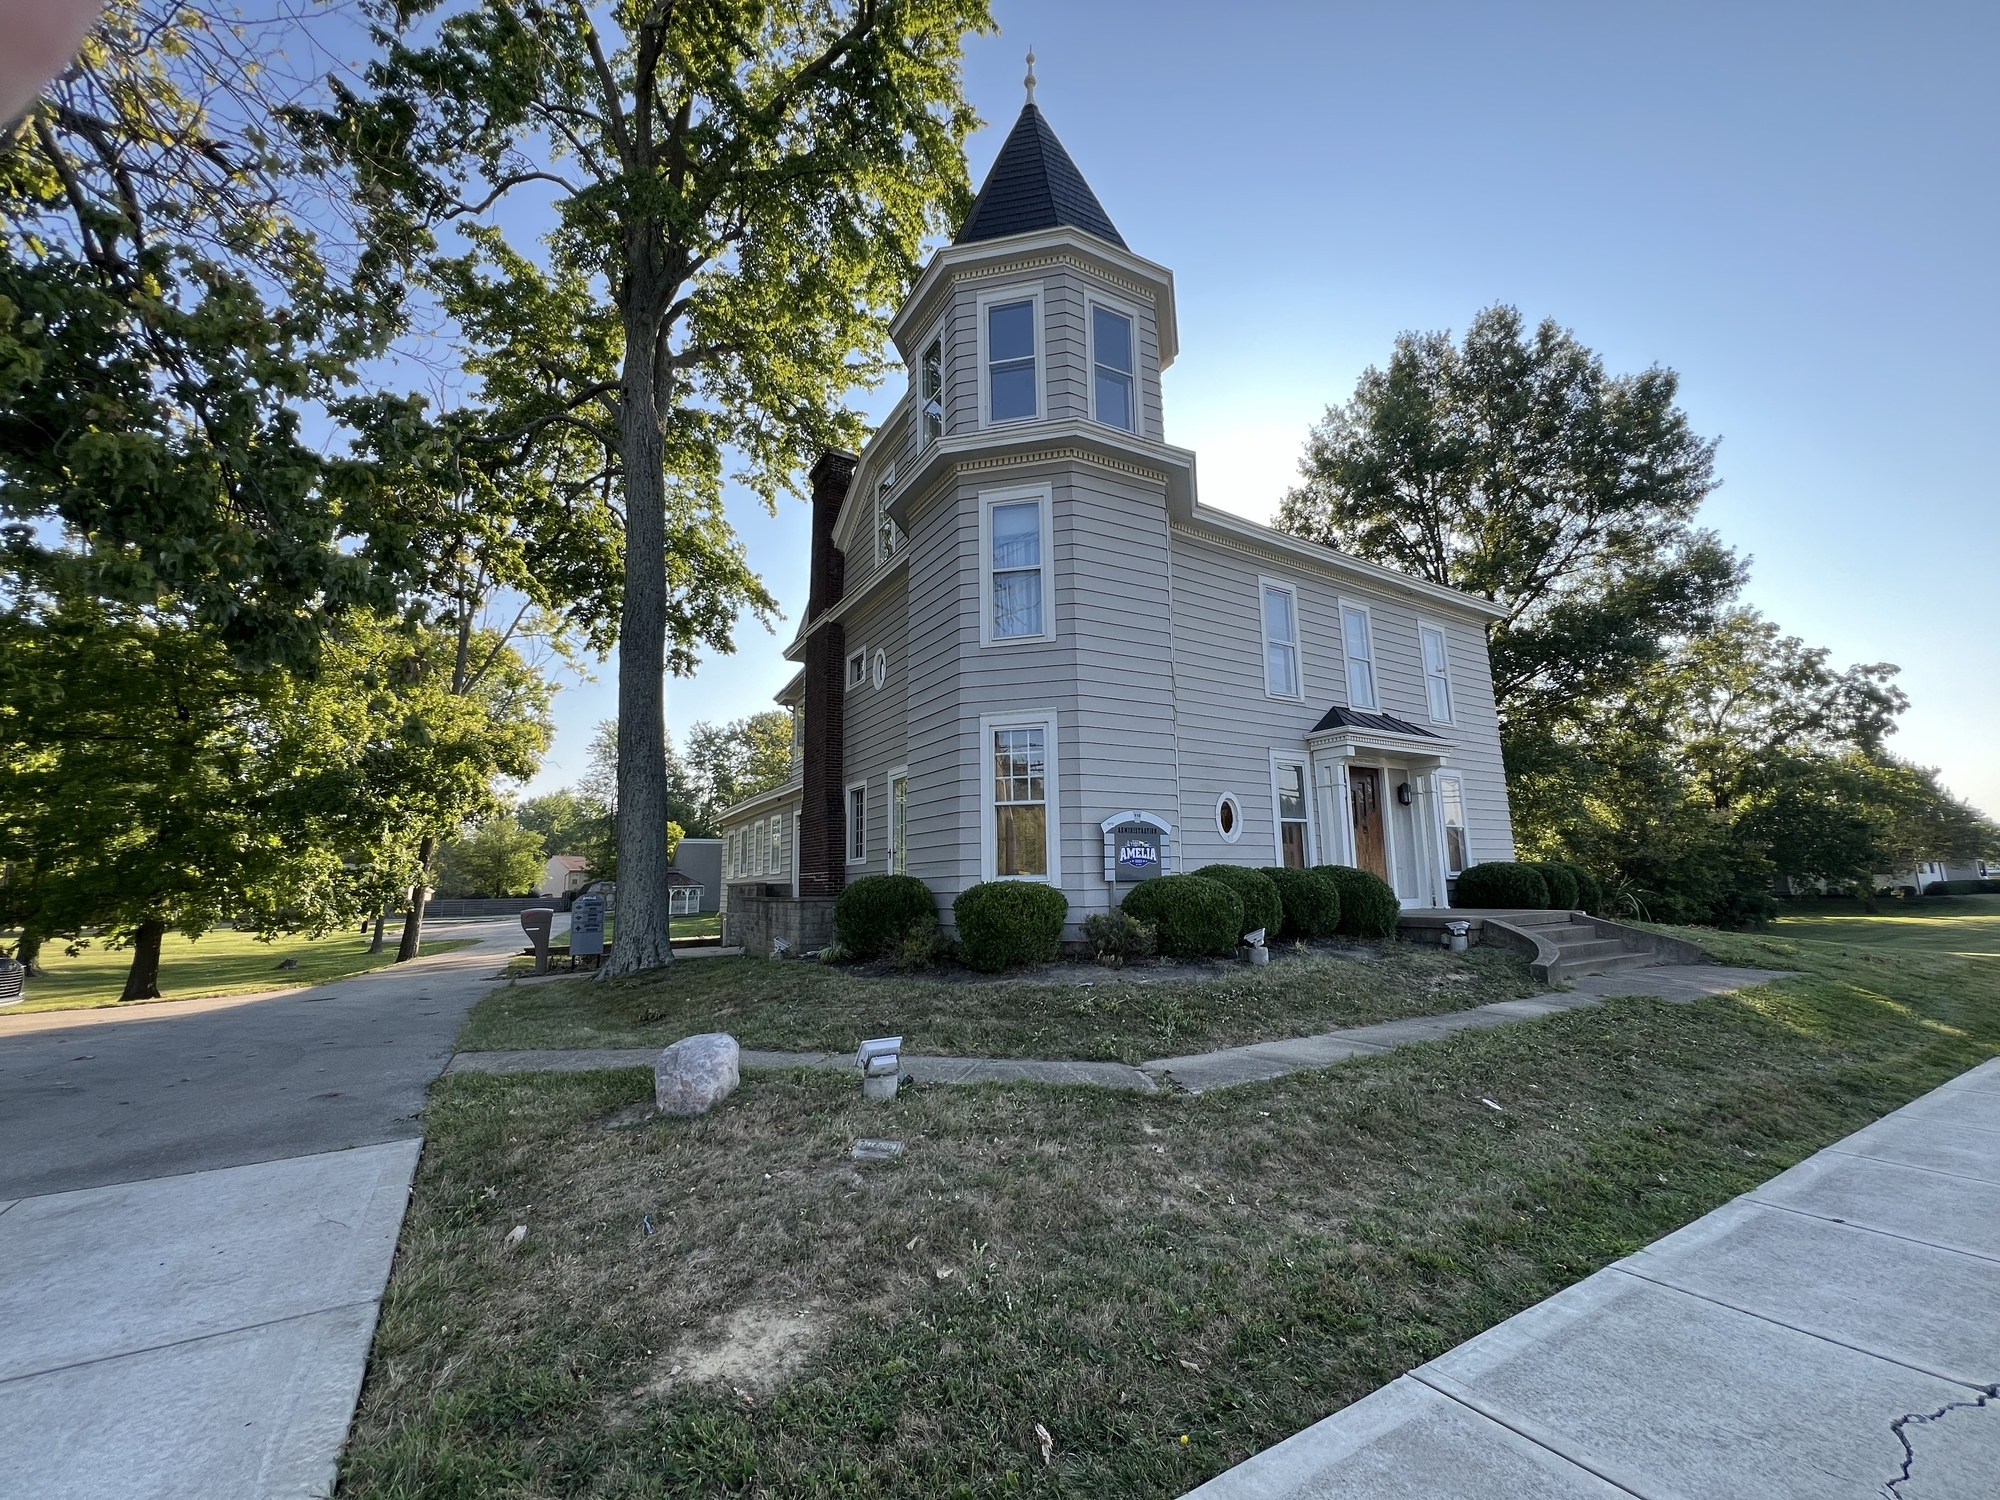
1364	800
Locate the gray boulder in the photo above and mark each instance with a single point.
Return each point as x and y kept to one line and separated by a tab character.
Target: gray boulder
695	1074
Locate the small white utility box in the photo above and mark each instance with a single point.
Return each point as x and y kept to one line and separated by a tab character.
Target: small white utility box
881	1064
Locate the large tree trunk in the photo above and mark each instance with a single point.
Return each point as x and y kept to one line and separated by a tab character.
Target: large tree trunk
381	921
413	910
142	980
29	951
642	940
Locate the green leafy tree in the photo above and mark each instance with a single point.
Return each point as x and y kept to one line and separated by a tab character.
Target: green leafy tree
149	785
167	320
729	762
498	858
741	193
567	821
1513	467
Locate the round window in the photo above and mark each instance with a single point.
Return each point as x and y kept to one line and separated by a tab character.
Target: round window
1228	817
881	667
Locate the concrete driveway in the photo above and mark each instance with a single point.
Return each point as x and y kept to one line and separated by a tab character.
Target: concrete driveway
199	1202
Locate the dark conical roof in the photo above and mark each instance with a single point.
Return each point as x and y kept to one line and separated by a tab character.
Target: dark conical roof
1034	185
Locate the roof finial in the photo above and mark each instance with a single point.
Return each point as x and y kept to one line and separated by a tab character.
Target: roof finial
1030	79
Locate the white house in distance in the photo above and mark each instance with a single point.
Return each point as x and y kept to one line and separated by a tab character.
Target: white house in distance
564	875
1031	651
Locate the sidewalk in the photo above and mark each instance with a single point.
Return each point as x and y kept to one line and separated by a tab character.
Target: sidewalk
1835	1332
199	1202
1204	1070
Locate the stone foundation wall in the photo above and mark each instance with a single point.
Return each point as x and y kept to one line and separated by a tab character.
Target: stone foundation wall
752	918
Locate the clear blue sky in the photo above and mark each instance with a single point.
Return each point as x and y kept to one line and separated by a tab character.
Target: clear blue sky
1794	206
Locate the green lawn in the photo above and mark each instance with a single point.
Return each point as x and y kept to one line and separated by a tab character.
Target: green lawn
1967	926
1059	1010
220	962
1165	1283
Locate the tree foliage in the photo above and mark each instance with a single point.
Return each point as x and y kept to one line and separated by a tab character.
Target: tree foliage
166	319
741	193
497	858
1655	732
1514	468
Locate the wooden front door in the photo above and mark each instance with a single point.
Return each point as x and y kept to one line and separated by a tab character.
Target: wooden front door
1364	798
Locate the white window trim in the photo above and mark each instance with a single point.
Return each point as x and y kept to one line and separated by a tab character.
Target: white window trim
938	336
857	660
880	673
987	500
1033	718
1342	606
847	808
1438	779
999	296
1127	311
1298	639
902	774
1450	687
1232	835
774	848
1290	758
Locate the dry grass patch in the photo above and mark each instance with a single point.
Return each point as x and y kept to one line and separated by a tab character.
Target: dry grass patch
1053	1011
1123	1271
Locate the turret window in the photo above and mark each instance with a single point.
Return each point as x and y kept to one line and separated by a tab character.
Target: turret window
1010	361
932	392
1111	354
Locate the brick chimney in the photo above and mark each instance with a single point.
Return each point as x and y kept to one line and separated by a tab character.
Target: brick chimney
823	816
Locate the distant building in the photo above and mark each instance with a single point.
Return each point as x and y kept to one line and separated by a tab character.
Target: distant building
563	875
701	861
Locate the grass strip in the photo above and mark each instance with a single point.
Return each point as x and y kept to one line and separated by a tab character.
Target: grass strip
1055	1011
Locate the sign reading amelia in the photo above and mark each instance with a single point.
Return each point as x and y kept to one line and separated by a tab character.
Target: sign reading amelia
1135	847
1139	852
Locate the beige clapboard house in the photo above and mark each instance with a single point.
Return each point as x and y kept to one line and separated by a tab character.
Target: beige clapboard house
1030	652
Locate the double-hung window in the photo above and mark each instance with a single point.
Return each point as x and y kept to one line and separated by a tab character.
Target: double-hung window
777	851
857	668
1021	801
735	855
1011	385
1437	674
1111	353
1281	640
761	858
1451	812
1360	648
1016	571
888	535
857	823
930	391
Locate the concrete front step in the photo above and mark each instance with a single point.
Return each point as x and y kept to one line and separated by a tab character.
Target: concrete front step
1559	945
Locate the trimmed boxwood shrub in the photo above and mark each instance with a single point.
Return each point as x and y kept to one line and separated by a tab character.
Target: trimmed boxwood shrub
1194	917
1368	908
1501	884
1312	907
1561	883
1004	922
872	915
1589	893
1256	890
